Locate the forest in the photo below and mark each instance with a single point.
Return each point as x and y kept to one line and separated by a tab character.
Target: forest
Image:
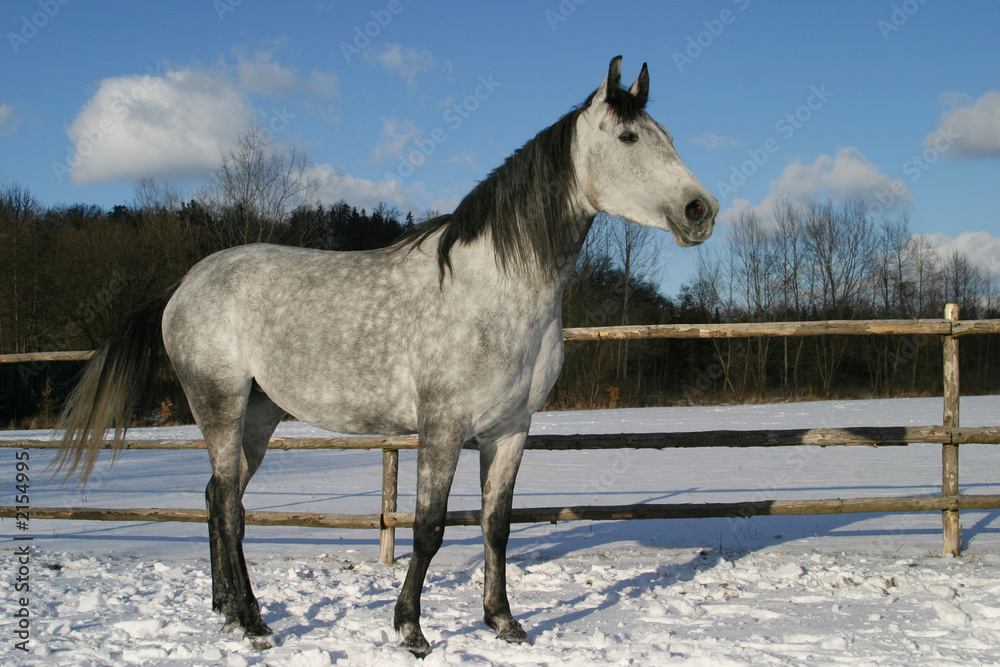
69	273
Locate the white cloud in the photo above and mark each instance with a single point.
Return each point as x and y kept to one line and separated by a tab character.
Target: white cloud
714	142
321	84
261	75
846	175
9	119
407	62
395	136
173	124
841	177
334	185
970	128
982	248
177	123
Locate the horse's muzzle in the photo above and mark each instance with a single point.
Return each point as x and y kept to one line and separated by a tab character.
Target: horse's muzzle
699	221
697	211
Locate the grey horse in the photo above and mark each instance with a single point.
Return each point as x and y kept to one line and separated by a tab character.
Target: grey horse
454	333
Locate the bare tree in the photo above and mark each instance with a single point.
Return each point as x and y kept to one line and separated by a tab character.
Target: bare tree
840	244
889	271
964	283
749	244
632	248
788	252
925	276
889	279
150	195
255	189
713	294
706	287
429	214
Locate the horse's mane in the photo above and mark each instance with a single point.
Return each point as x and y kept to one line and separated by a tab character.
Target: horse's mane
524	204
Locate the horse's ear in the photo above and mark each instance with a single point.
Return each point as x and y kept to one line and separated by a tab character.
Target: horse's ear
640	89
614	78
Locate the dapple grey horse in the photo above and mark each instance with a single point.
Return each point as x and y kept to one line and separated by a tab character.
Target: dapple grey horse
454	333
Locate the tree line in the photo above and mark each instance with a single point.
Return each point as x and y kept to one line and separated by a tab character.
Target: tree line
68	274
838	262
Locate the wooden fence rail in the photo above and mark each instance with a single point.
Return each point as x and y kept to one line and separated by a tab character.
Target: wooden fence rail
939	327
949	435
872	436
544	514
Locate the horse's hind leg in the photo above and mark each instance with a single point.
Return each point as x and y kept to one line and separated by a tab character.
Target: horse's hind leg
498	463
236	422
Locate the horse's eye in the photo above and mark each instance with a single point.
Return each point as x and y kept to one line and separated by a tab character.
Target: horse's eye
628	137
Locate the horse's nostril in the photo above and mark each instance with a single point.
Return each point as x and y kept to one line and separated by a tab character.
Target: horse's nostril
696	210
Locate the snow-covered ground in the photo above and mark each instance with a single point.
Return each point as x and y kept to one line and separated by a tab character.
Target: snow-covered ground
858	589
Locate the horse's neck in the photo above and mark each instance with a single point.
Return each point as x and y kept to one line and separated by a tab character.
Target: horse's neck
572	254
548	283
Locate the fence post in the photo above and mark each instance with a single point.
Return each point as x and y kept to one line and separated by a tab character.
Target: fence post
390	477
949	452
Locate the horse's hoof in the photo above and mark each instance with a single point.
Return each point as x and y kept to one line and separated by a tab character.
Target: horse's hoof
418	647
513	634
507	629
259	635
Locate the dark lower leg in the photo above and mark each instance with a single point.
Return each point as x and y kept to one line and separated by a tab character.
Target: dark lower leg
496	607
232	593
436	462
222	588
499	461
427	538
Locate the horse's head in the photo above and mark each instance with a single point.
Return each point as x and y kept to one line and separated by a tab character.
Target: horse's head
627	166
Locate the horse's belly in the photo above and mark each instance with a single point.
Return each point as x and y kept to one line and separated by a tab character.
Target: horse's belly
346	403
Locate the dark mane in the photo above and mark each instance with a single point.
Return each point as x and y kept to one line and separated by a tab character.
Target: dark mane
524	204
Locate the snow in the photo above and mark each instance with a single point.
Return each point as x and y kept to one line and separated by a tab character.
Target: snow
828	590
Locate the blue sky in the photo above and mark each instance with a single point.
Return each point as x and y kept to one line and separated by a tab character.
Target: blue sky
412	102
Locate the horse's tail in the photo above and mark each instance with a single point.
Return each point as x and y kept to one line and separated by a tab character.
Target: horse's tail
113	382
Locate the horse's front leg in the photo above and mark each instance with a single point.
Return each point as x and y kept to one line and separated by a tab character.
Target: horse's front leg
498	462
437	458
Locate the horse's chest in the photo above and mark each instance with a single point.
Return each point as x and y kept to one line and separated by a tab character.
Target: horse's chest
527	367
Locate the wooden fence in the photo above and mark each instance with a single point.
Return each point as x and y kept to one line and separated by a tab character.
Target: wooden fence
949	435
